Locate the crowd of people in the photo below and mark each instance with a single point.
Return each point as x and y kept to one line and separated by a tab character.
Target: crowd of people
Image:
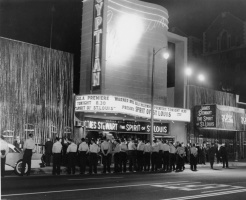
134	155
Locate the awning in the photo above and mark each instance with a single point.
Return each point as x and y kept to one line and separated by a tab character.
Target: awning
220	117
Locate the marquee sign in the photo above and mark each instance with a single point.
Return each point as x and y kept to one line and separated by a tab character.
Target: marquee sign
123	105
97	44
125	126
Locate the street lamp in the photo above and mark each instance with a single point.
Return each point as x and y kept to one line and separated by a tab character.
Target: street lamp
188	73
201	77
166	56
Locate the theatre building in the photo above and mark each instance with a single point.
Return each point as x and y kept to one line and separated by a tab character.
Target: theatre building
122	42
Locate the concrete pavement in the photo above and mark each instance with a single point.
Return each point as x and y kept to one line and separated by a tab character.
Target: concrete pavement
48	169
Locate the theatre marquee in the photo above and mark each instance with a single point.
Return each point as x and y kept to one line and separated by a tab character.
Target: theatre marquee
123	105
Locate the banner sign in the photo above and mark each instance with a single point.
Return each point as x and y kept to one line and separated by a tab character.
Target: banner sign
123	105
220	117
205	116
124	126
97	44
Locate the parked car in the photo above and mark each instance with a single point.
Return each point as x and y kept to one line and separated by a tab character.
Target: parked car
14	160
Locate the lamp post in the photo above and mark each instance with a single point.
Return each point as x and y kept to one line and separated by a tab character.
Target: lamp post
166	56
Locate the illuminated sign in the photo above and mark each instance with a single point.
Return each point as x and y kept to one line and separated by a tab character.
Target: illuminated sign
125	126
243	120
97	44
123	105
205	116
227	118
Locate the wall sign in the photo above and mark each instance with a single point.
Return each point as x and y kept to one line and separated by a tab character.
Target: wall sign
205	116
123	105
124	126
97	44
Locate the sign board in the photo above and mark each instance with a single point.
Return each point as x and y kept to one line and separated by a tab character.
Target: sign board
205	116
97	44
124	126
123	105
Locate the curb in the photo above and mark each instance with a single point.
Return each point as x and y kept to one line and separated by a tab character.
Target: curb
48	170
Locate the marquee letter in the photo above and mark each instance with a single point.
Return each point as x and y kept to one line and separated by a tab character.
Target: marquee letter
98	22
99	8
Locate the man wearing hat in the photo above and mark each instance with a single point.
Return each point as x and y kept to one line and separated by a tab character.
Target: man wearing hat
4	152
29	149
71	151
117	157
223	154
105	149
56	150
94	150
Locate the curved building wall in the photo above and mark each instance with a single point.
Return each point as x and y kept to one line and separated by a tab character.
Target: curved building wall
133	29
119	36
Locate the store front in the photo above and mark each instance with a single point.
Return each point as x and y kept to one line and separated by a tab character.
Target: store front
122	117
221	124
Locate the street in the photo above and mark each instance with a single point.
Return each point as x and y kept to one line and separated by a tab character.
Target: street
204	183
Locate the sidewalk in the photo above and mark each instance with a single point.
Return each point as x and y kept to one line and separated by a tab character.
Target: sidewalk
48	169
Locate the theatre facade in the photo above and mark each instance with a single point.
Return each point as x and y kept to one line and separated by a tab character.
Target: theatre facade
118	40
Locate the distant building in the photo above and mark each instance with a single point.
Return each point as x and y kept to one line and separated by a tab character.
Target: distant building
220	55
224	50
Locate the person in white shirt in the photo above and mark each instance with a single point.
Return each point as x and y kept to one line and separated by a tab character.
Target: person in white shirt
117	158
172	156
29	149
180	158
4	152
166	150
147	152
154	155
106	153
193	157
56	151
132	155
123	155
71	151
140	156
94	150
83	153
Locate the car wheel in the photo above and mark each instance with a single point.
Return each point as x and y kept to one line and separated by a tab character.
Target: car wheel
18	168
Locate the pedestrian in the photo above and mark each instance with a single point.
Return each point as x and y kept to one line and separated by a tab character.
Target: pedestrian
83	153
57	156
94	150
4	152
172	156
48	151
224	156
203	154
29	149
211	155
147	152
106	160
140	155
123	155
193	157
217	147
132	155
71	152
117	158
180	158
154	156
166	150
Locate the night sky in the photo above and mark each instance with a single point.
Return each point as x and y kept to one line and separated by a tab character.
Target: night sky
30	21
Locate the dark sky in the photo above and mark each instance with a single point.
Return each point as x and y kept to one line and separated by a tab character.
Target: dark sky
30	20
